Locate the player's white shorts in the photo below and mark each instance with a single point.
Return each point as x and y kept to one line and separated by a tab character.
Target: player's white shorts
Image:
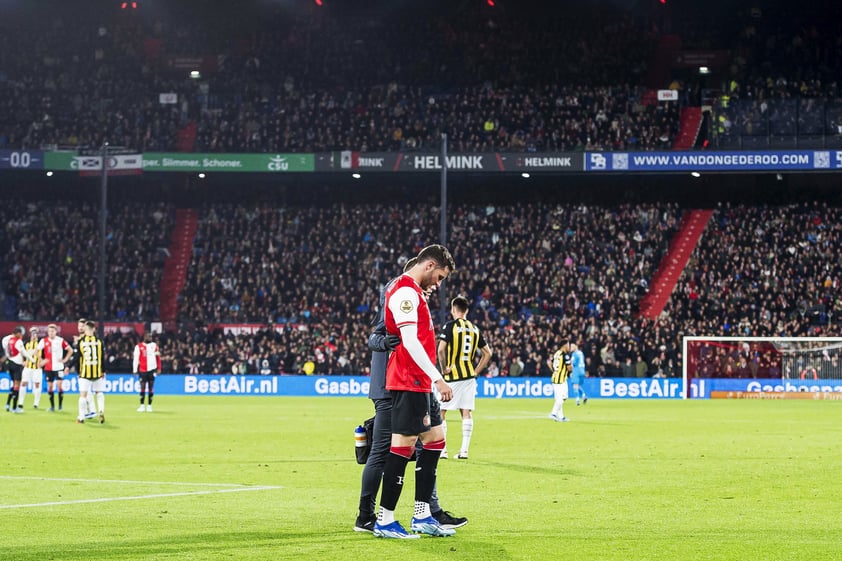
32	376
560	391
464	395
88	385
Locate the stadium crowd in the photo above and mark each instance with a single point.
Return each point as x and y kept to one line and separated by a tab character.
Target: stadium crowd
491	84
311	275
51	258
306	280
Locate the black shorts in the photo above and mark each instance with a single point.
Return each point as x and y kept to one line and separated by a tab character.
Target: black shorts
15	371
53	375
410	412
148	377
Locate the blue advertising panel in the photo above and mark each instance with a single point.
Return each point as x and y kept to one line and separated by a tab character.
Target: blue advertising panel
21	159
490	388
770	385
714	161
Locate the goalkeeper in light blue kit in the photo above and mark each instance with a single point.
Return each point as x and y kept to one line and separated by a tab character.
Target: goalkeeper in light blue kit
577	373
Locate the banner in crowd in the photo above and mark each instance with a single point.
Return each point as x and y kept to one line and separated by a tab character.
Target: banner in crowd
803	160
68	329
250	328
249	163
491	388
344	161
122	164
348	160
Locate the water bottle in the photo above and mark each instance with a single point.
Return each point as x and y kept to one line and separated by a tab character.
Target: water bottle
361	444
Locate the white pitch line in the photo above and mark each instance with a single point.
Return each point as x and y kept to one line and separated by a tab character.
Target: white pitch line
141	497
129	481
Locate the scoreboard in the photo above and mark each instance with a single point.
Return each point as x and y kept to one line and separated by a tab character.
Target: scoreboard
21	159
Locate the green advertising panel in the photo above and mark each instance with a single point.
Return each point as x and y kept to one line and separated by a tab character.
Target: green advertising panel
251	163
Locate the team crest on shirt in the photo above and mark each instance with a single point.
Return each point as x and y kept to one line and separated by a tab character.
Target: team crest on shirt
406	306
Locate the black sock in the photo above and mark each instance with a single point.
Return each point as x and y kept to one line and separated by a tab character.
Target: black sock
425	474
60	399
142	396
9	397
15	394
393	473
149	399
367	506
52	399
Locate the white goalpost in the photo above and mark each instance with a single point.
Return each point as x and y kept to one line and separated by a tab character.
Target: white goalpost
762	367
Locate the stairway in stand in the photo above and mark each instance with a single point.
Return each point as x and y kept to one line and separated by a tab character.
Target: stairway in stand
689	123
672	265
175	268
187	137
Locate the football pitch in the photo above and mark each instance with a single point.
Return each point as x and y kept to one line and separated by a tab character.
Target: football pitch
262	478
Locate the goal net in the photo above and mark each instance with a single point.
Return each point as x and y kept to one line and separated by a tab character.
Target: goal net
763	367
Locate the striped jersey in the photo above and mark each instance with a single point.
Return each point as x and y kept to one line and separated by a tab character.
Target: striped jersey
145	357
463	338
54	350
405	304
90	357
562	363
13	349
35	354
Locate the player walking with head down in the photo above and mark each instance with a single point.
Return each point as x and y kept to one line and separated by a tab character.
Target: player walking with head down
381	344
410	375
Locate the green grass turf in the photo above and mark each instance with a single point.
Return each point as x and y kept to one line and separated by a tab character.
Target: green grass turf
626	480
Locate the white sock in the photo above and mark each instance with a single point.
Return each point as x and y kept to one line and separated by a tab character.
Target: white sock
91	406
558	409
21	395
36	393
83	407
385	517
467	431
422	510
100	399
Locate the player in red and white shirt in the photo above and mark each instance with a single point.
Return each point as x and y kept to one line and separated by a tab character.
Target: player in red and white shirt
147	362
13	349
410	376
56	352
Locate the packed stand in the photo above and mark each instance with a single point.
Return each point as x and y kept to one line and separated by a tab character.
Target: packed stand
532	271
763	271
501	83
782	86
51	254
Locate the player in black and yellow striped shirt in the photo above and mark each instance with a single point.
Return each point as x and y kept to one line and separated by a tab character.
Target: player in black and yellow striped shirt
562	365
91	374
32	375
458	344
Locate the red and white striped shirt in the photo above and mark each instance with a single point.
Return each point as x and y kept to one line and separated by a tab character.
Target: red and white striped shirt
54	351
14	350
145	357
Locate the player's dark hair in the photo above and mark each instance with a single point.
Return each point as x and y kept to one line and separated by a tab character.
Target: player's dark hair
439	254
460	303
